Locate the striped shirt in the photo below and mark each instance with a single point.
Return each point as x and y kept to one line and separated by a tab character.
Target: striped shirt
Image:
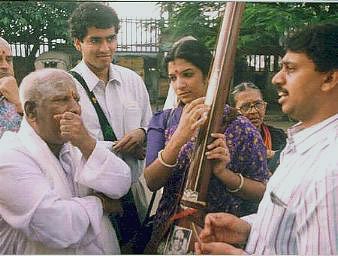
299	211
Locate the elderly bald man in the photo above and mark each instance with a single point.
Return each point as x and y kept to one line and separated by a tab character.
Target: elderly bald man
10	107
54	176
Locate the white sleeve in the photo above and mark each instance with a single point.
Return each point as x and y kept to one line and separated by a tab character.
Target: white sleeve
144	102
29	203
104	172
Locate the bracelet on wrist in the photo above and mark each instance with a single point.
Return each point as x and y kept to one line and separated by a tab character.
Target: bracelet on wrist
240	184
160	158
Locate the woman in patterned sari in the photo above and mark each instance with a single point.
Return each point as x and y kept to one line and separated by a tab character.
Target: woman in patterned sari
240	169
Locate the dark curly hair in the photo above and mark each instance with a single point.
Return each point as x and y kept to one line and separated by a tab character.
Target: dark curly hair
91	14
192	51
319	42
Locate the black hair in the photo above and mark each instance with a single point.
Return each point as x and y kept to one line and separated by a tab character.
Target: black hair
91	14
319	42
192	51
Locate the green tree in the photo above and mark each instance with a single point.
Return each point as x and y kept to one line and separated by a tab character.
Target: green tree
262	27
198	19
265	24
34	23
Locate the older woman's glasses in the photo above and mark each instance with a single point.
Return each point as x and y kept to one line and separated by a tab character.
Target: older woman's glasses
258	105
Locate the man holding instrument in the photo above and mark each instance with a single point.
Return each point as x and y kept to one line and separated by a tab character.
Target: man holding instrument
298	213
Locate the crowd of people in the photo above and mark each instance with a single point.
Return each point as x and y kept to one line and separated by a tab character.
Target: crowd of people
80	148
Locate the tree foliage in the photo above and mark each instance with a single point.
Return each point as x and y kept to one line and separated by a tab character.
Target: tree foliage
34	23
262	27
197	19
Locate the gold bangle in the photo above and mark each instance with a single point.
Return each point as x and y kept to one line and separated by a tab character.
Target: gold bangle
160	158
240	184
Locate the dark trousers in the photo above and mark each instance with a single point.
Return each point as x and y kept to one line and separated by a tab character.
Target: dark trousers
129	223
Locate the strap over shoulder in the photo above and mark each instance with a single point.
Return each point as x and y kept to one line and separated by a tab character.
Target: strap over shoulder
107	130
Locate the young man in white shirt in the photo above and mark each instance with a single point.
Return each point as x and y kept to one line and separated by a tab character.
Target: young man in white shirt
120	93
56	178
299	211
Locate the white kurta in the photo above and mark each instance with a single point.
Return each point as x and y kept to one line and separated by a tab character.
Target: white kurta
45	202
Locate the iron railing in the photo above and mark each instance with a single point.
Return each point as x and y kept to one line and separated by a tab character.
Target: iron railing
135	35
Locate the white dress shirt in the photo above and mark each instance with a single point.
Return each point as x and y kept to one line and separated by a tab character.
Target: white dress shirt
45	202
124	100
299	211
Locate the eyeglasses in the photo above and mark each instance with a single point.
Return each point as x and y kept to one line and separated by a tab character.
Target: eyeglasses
258	105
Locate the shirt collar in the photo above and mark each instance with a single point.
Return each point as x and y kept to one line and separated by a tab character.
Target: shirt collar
92	80
65	149
114	74
302	139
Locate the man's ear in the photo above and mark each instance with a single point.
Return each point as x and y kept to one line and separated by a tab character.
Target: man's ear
331	81
30	109
77	44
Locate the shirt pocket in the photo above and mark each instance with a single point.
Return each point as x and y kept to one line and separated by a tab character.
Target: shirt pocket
132	116
91	121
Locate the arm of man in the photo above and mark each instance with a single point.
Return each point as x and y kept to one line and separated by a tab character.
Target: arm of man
104	172
31	205
220	231
97	167
133	142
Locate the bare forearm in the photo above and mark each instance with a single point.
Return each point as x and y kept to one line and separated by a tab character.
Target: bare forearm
87	147
157	174
251	189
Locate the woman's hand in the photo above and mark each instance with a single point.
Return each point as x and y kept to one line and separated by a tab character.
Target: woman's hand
218	151
193	116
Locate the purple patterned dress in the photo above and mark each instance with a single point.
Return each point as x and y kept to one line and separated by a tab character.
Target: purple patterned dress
248	157
9	119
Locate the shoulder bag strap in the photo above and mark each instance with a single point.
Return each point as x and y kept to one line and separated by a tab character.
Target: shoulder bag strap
107	130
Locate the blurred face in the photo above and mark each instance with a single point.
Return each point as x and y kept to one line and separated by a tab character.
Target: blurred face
57	100
6	61
299	87
178	240
251	104
98	48
187	80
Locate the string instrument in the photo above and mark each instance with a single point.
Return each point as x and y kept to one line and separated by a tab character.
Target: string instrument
193	202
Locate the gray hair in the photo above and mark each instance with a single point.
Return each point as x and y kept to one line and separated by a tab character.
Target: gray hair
243	87
185	38
34	86
4	43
